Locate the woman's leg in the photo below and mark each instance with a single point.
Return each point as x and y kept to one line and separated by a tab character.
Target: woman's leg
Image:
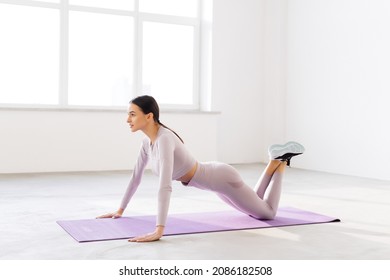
261	202
265	178
229	186
274	189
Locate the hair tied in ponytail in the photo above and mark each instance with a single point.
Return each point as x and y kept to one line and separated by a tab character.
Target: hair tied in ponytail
148	105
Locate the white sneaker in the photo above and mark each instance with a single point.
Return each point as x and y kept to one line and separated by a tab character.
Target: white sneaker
285	152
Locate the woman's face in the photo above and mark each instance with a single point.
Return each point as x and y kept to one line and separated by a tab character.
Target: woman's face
136	119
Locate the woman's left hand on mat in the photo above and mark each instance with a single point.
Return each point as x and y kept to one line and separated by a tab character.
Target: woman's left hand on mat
154	236
113	215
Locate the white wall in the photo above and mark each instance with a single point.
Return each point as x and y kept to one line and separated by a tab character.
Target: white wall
249	77
238	79
315	71
338	86
275	72
51	140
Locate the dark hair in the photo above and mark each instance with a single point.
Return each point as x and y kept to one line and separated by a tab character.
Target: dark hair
148	105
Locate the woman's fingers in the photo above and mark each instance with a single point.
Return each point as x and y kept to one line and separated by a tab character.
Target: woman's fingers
103	216
114	215
146	238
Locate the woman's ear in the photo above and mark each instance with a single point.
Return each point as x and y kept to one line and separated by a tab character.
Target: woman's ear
150	117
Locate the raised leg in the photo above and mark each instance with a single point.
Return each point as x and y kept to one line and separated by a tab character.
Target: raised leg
245	199
274	189
265	178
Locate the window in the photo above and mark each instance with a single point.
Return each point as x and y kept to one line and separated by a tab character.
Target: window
102	53
167	62
29	54
127	5
186	8
100	59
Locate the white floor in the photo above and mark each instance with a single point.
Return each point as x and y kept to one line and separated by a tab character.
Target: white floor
30	204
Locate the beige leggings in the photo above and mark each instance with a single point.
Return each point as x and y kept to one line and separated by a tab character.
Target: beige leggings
227	183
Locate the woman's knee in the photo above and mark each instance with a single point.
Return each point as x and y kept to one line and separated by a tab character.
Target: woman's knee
265	215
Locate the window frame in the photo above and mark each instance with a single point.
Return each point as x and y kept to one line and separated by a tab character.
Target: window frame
65	8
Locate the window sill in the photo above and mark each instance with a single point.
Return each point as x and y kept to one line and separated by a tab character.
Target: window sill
118	109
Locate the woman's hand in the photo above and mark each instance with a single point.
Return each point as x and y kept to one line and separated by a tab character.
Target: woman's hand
154	236
113	215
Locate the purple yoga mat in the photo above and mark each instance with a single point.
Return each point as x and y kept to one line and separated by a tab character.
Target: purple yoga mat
127	227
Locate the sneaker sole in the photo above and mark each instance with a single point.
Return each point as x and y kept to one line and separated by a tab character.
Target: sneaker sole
281	146
276	151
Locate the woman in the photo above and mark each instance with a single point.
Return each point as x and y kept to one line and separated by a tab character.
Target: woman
170	160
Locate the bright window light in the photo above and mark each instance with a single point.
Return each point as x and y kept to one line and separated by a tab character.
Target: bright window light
49	1
100	53
29	52
168	62
108	4
185	8
100	59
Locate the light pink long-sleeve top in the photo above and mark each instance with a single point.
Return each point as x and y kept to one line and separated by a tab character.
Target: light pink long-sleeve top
169	159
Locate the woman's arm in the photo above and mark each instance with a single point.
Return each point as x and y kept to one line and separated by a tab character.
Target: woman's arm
137	175
166	159
133	184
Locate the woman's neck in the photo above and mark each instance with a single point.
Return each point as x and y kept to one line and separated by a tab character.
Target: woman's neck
151	132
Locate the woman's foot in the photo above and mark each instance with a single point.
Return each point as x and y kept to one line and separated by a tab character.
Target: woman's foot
285	152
